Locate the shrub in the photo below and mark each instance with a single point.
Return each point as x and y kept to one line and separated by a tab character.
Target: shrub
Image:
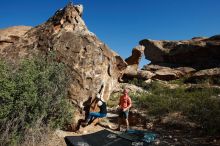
200	105
113	100
213	80
139	83
31	96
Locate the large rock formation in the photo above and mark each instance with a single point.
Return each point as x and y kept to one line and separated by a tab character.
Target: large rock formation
197	52
133	61
175	59
10	35
135	58
94	67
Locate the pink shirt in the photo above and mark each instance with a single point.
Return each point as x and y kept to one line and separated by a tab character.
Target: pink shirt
125	101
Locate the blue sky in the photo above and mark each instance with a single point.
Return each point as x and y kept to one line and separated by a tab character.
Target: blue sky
121	24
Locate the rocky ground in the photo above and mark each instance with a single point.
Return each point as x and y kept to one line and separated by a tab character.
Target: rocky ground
95	68
169	132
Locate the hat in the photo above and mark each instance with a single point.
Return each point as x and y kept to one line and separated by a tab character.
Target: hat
100	103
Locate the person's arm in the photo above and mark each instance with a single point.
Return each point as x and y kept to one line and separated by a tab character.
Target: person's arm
94	104
119	103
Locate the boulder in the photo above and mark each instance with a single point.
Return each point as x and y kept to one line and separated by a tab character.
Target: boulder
197	53
133	63
144	74
207	72
10	35
154	67
93	66
167	74
186	70
175	59
140	74
135	58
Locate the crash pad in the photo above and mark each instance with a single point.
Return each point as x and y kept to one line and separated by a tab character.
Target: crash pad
139	135
101	138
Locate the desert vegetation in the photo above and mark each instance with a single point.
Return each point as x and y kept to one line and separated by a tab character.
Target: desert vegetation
32	100
200	104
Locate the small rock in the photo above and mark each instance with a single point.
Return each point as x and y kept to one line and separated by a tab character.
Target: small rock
157	142
149	125
109	126
148	81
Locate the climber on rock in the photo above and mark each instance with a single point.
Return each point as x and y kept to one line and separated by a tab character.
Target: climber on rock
102	112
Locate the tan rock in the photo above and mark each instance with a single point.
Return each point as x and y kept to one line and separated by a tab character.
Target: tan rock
79	8
135	58
186	70
133	62
154	67
93	66
198	52
140	74
144	74
207	72
167	74
10	35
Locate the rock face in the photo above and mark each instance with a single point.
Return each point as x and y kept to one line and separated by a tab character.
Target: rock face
175	59
205	74
135	58
198	52
94	67
10	35
133	62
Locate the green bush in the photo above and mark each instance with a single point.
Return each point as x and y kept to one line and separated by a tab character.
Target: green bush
32	95
214	80
200	105
113	100
139	83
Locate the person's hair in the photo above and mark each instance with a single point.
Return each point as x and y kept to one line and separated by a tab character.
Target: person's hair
125	90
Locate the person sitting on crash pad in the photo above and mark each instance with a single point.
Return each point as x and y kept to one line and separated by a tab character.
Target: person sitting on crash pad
102	113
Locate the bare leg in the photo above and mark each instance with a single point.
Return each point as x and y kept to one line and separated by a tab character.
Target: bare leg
127	124
119	123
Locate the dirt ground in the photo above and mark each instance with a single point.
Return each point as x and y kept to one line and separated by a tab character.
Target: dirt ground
167	134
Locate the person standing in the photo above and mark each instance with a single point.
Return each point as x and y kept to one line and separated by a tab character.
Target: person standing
123	109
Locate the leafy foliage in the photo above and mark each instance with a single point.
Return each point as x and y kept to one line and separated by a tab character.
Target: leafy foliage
31	96
139	83
201	105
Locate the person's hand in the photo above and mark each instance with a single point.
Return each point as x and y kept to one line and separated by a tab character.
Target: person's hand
124	109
